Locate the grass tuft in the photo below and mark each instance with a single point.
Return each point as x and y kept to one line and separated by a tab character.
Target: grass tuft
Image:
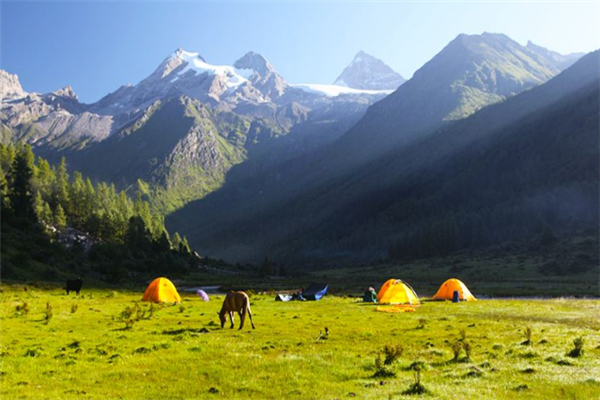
48	313
527	333
577	350
22	309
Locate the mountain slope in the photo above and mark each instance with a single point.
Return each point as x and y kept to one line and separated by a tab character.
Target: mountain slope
559	60
531	160
470	72
183	149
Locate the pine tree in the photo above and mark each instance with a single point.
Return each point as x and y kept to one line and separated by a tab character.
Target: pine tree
60	190
184	247
21	196
38	205
4	203
164	243
44	178
77	198
137	233
47	216
176	241
60	219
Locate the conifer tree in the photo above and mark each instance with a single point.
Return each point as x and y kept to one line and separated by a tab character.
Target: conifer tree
184	247
176	241
21	196
60	219
61	185
47	216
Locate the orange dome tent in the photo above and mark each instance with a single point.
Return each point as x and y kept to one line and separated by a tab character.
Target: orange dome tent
446	291
161	290
395	291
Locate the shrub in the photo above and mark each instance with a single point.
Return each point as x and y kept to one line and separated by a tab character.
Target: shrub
74	308
392	353
577	350
136	313
416	387
456	349
381	370
467	348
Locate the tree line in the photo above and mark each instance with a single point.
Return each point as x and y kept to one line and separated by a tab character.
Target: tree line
38	197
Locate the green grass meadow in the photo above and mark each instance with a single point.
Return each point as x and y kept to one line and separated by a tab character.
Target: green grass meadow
100	345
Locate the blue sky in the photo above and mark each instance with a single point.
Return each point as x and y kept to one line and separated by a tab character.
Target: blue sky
98	46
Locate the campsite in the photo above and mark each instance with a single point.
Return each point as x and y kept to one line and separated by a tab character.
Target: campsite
299	200
108	343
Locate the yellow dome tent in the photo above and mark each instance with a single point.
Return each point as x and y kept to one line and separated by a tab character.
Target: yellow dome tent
446	291
161	290
395	291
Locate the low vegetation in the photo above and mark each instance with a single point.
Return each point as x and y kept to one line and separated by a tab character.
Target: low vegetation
181	352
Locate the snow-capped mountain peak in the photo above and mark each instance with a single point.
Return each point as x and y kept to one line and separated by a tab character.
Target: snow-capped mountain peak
366	72
262	74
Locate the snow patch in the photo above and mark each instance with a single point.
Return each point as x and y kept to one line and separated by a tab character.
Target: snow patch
195	64
335	90
340	82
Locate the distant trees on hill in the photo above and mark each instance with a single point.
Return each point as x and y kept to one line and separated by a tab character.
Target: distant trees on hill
37	197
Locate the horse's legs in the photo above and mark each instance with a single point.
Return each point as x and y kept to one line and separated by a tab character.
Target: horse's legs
242	317
250	315
231	318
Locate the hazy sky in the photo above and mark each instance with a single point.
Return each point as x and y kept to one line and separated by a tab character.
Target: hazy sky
98	46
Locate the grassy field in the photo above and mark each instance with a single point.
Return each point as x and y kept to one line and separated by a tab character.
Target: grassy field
105	344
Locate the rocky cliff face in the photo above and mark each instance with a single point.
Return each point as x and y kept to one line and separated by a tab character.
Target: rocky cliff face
10	87
262	75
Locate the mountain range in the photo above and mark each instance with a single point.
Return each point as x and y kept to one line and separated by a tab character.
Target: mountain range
248	165
188	122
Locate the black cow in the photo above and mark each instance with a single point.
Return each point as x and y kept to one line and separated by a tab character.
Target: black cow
74	285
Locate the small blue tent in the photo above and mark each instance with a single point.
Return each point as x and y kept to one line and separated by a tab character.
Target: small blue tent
315	291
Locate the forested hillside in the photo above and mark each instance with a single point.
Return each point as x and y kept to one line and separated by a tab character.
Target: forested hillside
55	225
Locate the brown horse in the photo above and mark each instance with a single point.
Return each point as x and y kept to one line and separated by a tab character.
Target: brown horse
235	302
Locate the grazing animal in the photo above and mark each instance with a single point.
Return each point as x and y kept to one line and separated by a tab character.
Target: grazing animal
235	302
74	285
